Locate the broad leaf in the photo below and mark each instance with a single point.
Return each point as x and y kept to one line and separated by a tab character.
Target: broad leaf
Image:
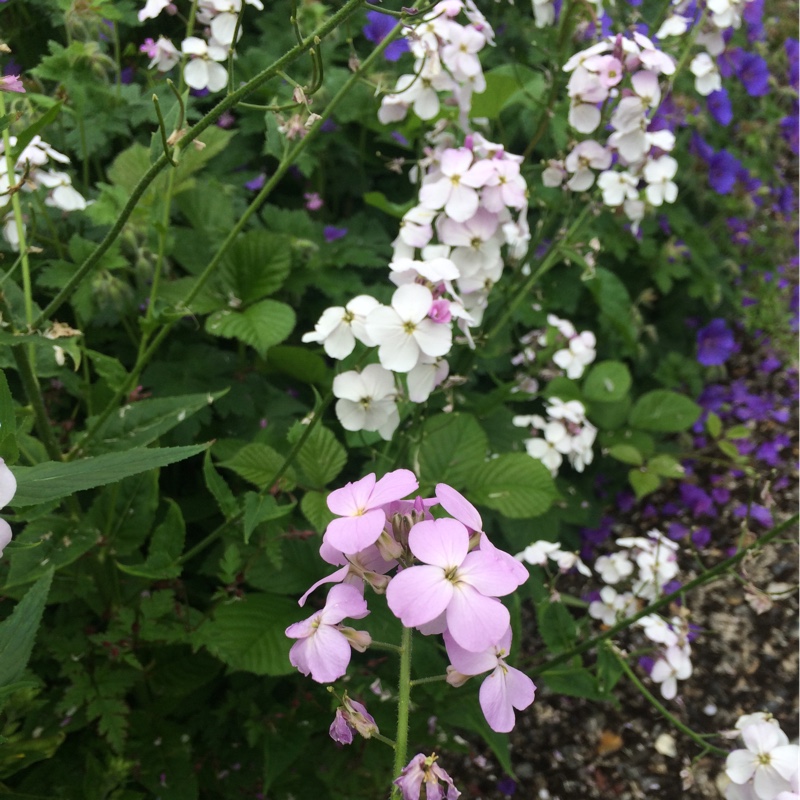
664	411
259	463
321	457
256	265
607	381
453	447
514	484
262	325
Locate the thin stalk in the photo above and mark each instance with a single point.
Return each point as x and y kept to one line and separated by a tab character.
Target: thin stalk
403	709
700	580
695	737
18	221
431	679
547	263
346	11
290	158
381	738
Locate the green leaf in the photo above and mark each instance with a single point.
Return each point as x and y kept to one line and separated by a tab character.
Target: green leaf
573	681
25	138
109	369
556	626
609	670
321	457
166	546
54	480
256	265
730	449
643	482
738	432
250	634
608	381
315	509
18	632
664	411
453	447
259	463
261	508
378	200
216	484
9	451
713	425
141	423
299	363
468	715
627	454
665	466
262	325
514	484
563	388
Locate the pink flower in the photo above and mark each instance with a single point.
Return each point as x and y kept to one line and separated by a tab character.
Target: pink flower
425	770
360	508
352	716
323	646
502	691
11	83
455	189
313	201
453	583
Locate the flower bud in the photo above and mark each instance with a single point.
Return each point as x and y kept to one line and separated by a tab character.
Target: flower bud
359	640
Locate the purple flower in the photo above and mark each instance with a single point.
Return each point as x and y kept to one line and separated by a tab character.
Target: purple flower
720	496
697	500
754	74
701	537
698	146
715	343
377	27
752	15
729	62
425	771
756	512
332	233
676	531
792	48
255	184
723	170
719	106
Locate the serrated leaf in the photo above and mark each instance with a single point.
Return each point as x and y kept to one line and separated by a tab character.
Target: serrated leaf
256	265
627	454
608	381
315	509
109	369
514	484
262	325
18	632
643	482
556	626
453	447
259	463
250	634
9	451
321	457
141	423
54	479
166	546
216	484
261	508
664	411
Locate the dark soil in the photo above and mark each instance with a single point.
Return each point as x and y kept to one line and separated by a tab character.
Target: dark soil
565	748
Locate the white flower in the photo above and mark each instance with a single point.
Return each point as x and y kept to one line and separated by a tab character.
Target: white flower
338	328
617	187
673	666
203	71
659	174
152	9
578	355
707	78
768	760
403	331
674	25
538	552
8	488
425	377
366	400
613	568
566	561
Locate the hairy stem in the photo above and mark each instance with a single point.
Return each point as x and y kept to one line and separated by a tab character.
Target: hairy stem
403	708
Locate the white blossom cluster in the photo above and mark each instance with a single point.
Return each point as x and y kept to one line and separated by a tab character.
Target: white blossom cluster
446	61
575	351
33	171
448	253
620	74
564	432
204	69
767	767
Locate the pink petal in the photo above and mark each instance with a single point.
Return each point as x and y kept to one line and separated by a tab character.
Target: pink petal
344	600
469	663
456	505
487	574
418	595
335	577
442	542
351	534
517	571
495	702
476	622
352	498
324	656
393	486
456	162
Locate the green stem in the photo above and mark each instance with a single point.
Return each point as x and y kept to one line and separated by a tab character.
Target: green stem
346	11
706	577
549	261
385	739
696	737
236	518
291	157
403	708
431	679
18	221
392	648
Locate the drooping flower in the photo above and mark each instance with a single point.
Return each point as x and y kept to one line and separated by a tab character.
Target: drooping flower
422	770
351	717
323	646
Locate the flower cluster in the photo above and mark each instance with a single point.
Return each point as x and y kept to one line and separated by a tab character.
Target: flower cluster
446	61
621	74
448	580
204	70
570	351
564	432
32	171
424	771
767	767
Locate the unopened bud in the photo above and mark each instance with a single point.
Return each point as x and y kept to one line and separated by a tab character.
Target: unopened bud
359	640
456	678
